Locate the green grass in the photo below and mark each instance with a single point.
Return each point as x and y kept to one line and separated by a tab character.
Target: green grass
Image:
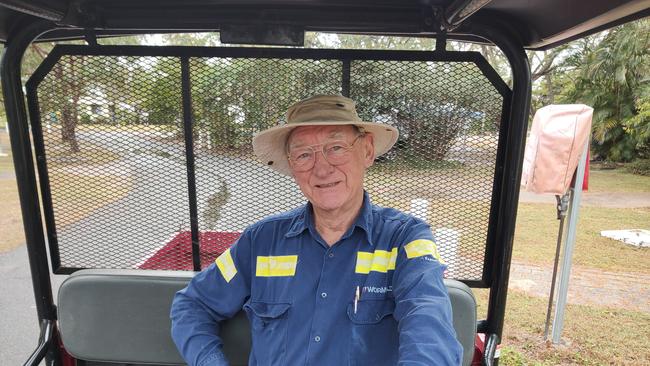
617	180
591	335
537	228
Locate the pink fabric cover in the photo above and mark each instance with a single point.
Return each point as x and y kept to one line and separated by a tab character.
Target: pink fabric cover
557	139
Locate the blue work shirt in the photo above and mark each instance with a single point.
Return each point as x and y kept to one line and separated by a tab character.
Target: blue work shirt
299	295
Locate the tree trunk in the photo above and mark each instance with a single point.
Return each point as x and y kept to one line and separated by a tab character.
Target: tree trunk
549	86
68	128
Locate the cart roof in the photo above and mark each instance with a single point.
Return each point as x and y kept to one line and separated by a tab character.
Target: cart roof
541	24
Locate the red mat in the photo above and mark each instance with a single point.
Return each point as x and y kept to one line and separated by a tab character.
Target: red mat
177	253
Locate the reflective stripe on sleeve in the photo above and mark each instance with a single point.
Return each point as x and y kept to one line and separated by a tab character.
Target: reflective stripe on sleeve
421	247
276	266
226	265
378	261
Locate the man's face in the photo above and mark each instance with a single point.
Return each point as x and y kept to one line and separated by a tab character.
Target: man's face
332	187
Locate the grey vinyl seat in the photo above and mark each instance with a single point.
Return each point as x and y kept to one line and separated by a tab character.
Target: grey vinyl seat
122	317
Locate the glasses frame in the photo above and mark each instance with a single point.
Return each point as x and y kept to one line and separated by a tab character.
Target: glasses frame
322	150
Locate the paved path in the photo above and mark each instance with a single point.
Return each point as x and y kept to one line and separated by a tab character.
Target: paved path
586	286
18	320
601	199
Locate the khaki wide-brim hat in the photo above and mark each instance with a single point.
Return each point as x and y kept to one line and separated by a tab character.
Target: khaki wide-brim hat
270	145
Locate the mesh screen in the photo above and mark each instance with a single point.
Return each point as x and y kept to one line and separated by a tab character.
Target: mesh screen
115	148
442	166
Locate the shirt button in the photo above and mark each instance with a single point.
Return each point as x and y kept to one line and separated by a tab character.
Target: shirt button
331	255
323	295
317	338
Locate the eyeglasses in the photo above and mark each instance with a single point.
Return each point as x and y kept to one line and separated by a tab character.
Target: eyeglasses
336	152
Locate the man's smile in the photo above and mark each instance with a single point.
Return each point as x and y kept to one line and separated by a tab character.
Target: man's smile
328	185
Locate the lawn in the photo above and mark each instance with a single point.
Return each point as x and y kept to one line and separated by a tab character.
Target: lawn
78	195
11	224
537	228
617	180
591	336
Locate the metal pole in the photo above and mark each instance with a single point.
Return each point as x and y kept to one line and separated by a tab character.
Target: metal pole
186	85
572	224
562	205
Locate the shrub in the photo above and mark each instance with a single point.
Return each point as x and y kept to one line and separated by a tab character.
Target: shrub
639	167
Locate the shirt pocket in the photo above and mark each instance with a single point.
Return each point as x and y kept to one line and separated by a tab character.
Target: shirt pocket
269	331
374	333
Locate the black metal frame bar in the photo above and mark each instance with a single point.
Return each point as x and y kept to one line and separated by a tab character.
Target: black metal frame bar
510	155
507	171
10	74
44	179
186	88
45	339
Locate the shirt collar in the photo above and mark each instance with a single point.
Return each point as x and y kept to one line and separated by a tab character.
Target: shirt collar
304	220
365	218
300	222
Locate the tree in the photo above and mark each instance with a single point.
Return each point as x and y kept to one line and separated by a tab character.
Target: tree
613	78
235	98
431	103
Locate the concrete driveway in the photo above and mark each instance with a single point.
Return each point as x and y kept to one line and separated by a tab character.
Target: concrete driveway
18	320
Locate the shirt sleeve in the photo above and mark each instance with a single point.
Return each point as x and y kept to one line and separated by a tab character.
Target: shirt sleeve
213	295
422	305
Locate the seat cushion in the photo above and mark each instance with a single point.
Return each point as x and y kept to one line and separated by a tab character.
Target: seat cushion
122	316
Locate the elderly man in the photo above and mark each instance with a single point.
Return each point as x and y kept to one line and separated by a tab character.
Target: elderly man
338	281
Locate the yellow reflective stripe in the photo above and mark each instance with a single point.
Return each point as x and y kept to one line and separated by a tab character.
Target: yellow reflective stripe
226	265
364	262
276	266
421	247
378	261
393	259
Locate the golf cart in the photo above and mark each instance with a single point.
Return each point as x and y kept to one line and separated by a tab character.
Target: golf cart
134	163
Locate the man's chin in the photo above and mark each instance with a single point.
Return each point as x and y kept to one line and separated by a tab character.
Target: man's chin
326	206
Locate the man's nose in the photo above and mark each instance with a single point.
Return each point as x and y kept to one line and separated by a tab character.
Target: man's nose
321	165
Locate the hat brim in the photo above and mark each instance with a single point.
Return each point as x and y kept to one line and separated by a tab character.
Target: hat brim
269	145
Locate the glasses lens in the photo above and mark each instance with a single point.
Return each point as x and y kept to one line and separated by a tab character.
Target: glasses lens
337	152
302	159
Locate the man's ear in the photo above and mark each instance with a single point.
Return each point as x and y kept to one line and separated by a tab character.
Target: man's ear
369	150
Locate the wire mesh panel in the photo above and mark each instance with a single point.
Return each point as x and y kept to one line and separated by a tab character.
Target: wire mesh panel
121	187
232	99
442	166
111	128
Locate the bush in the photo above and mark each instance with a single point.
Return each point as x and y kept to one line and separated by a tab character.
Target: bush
639	167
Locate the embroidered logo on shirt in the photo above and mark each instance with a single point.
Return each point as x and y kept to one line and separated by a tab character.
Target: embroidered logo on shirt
226	265
422	247
376	290
378	261
276	266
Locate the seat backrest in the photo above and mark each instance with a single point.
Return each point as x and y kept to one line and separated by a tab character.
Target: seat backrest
463	305
123	316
